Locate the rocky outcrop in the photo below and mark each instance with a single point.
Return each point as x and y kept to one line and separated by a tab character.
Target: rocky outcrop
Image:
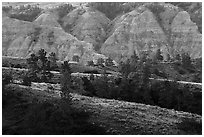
52	39
150	27
86	24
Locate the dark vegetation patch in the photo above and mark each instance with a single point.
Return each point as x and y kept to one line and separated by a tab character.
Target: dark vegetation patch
164	94
23	12
35	35
29	112
191	125
133	84
24	112
110	9
62	11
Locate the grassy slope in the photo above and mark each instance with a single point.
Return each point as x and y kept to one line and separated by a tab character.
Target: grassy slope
117	117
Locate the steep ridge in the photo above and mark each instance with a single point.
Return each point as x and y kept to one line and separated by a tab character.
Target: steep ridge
185	35
135	31
86	24
153	26
32	37
48	19
195	11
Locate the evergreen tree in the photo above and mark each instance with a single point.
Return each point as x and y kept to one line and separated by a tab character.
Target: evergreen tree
186	60
125	68
146	73
76	58
42	56
159	57
33	68
65	80
50	38
44	73
168	58
134	60
143	56
32	62
39	67
90	63
109	62
100	62
53	60
178	57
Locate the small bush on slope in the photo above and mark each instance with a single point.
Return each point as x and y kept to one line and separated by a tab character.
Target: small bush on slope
7	78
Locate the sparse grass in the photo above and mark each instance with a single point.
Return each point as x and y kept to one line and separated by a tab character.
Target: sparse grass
25	113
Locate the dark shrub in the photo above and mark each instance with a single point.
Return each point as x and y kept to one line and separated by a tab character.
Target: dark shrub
6	8
110	9
7	78
190	124
89	87
64	10
27	80
101	87
26	13
49	117
18	66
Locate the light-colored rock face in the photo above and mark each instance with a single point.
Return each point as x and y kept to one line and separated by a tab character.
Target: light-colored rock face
136	32
52	39
47	19
11	29
141	30
87	25
86	31
185	35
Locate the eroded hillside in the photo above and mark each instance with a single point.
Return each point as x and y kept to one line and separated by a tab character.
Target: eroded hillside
151	27
84	31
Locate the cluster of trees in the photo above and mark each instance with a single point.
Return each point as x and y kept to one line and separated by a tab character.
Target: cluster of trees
39	66
6	79
25	12
184	59
6	9
50	116
135	86
102	62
